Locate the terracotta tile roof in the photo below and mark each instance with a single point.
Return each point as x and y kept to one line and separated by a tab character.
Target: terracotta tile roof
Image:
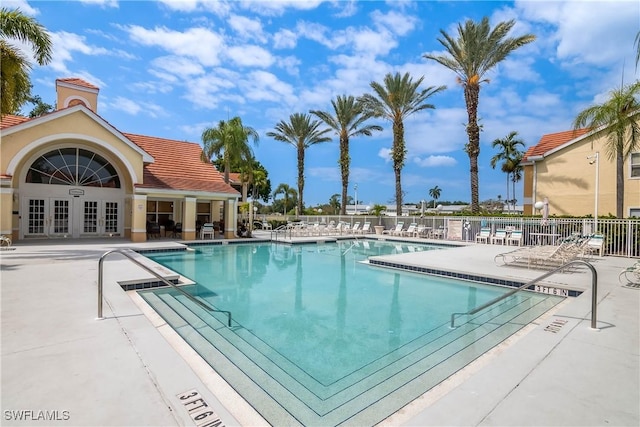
551	141
234	177
178	166
11	120
78	82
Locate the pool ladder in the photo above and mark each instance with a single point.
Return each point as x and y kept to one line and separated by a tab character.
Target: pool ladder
594	292
162	279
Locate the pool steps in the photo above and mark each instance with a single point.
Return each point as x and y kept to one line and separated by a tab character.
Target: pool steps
357	398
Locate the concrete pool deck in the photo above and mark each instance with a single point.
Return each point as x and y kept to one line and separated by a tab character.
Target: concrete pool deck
61	366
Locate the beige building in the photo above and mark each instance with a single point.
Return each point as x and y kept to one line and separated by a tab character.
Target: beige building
567	167
71	174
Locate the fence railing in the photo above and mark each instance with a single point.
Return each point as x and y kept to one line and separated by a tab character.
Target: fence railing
621	236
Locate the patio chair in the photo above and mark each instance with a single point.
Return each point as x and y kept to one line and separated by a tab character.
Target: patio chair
177	230
483	236
354	229
499	236
595	244
153	230
421	231
515	237
207	230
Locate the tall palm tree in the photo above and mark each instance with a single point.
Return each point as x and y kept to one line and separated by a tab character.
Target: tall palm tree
229	140
287	192
435	194
516	174
508	154
334	202
347	121
14	73
395	99
301	132
637	43
475	51
618	120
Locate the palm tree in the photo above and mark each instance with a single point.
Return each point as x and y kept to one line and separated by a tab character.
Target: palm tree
287	191
516	174
230	139
302	133
477	50
14	73
618	120
637	43
435	193
396	99
348	121
334	202
509	155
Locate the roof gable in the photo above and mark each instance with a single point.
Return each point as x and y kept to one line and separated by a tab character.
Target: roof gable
13	124
552	141
178	166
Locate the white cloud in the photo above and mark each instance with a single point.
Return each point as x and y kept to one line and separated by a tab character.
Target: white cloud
103	3
247	28
23	5
398	23
285	39
434	161
290	64
206	91
250	56
200	43
278	7
65	44
385	153
324	173
177	65
265	86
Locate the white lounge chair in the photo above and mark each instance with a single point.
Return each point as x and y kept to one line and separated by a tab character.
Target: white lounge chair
395	231
411	230
366	228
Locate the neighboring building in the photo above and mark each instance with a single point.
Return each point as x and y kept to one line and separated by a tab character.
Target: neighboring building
71	174
562	167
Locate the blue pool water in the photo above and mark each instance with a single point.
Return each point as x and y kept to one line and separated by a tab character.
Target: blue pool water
321	322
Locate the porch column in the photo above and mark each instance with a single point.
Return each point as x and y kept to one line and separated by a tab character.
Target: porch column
230	219
139	218
6	213
189	215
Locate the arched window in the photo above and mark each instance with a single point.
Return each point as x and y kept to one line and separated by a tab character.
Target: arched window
73	166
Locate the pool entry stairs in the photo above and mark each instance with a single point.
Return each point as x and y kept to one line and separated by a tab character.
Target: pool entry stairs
284	394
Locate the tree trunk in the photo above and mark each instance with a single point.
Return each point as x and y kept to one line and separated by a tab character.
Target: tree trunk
344	170
398	153
619	185
471	94
300	176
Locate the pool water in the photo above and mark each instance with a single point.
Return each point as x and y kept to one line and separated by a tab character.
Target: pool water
331	330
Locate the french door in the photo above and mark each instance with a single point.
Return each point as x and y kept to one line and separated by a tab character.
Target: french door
72	217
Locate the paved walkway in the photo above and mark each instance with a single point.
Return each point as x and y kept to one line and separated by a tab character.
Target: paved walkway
61	366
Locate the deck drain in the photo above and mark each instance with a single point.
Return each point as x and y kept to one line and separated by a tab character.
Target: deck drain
555	326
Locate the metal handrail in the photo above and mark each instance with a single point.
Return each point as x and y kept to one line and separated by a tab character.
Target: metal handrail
282	228
162	279
594	287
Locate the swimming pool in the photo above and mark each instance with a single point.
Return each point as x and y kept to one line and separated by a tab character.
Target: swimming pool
321	338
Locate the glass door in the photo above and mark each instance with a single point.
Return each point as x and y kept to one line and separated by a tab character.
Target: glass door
48	217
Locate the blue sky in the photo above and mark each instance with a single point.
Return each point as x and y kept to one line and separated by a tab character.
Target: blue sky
172	68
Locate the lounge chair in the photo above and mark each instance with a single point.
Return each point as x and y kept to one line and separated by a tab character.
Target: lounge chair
207	230
354	229
411	230
499	236
366	228
483	236
631	274
395	231
177	230
515	237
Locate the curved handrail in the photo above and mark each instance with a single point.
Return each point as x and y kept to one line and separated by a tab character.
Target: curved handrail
594	287
162	279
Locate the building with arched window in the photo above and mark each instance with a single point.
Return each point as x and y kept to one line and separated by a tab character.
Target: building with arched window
71	174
